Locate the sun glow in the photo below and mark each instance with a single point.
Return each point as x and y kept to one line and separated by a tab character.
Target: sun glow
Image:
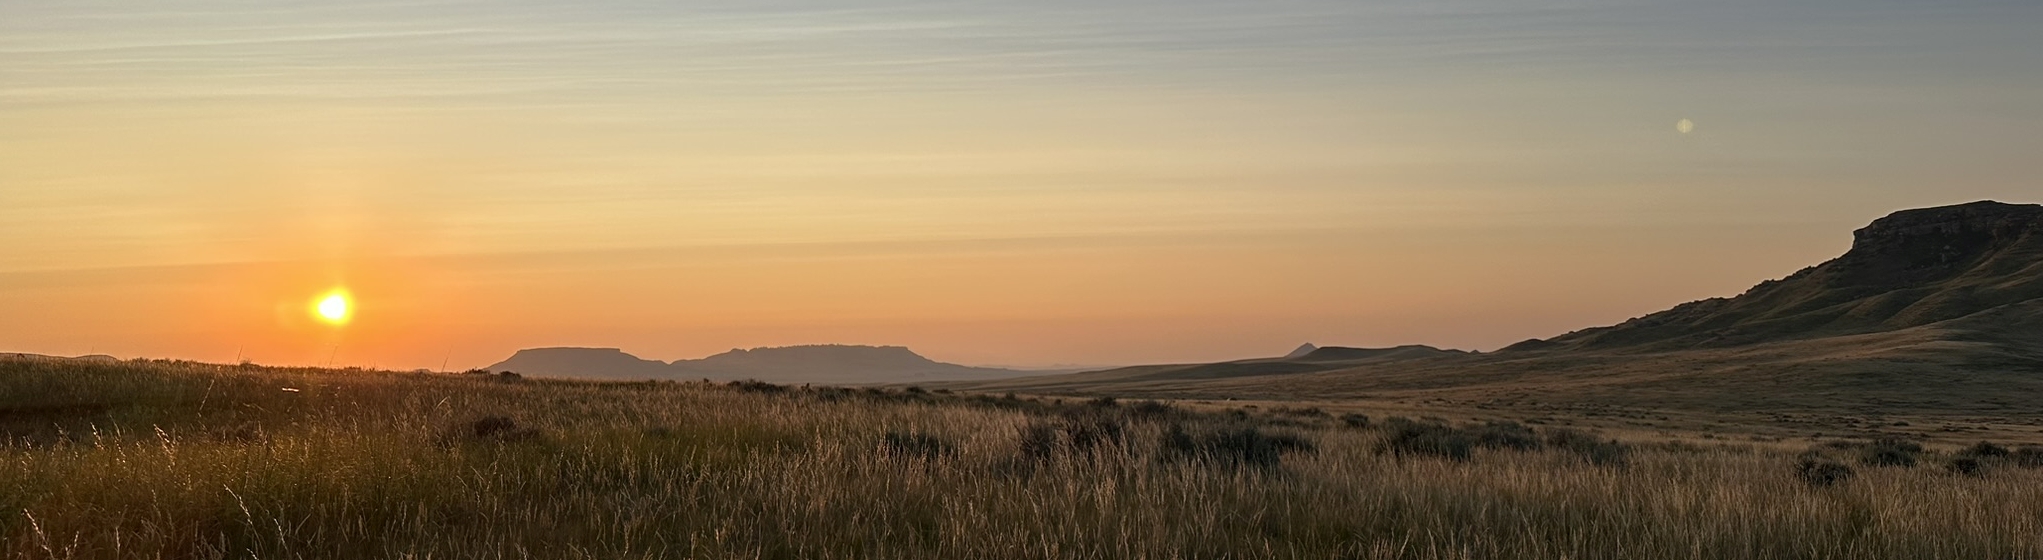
334	307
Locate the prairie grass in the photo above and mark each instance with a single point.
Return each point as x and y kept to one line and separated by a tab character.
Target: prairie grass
181	460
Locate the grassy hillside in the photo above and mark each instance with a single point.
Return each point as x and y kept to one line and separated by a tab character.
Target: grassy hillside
1927	328
178	460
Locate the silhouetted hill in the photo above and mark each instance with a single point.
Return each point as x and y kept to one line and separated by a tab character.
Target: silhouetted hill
1909	269
1341	354
1302	350
1932	311
604	363
793	364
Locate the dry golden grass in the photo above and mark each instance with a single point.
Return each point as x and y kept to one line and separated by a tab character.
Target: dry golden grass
159	460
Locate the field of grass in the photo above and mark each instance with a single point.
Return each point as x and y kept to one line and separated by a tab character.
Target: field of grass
179	460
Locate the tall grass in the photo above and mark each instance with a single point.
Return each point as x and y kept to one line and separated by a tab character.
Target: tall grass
168	460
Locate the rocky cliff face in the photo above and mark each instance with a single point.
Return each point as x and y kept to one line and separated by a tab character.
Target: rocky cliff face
1909	269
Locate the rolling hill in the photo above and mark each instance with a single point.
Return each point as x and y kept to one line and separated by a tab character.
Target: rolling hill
1936	310
1912	269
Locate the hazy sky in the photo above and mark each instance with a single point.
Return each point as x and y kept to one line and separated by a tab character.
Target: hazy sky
986	182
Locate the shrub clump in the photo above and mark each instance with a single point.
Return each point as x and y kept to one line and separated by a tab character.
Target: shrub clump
1819	472
1353	420
1405	438
1074	433
1979	459
755	386
1986	450
1595	450
1967	465
2028	457
1505	434
1244	446
830	394
1038	441
1087	431
500	428
908	444
1890	452
1151	409
1302	412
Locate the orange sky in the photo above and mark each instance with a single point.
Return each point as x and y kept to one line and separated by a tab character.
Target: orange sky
1050	184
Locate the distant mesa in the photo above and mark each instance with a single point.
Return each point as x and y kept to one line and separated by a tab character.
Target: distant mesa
834	364
1911	269
1311	353
1341	354
607	363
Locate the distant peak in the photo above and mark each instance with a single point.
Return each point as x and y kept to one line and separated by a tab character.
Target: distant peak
1303	349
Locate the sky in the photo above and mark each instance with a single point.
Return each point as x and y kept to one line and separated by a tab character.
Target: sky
1009	183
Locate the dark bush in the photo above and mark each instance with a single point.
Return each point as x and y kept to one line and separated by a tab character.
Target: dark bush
755	386
1038	441
1967	465
1980	458
1505	435
1233	447
1178	443
1103	402
831	394
2028	457
1355	420
509	376
916	445
1308	412
1087	431
1818	472
915	390
1150	409
1404	438
1890	452
499	428
1986	450
1595	450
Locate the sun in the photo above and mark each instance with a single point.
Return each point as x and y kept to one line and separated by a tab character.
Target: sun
333	307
